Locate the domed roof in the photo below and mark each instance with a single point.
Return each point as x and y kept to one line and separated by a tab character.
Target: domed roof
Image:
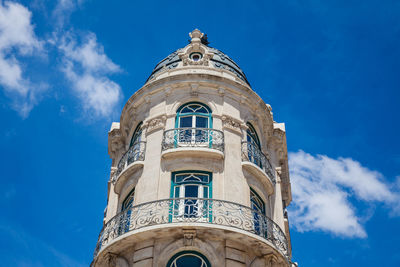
213	57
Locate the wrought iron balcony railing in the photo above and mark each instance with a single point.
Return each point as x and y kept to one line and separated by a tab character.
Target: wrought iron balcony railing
252	153
193	137
135	153
193	210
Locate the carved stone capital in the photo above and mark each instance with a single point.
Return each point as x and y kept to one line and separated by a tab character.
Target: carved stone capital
155	124
231	123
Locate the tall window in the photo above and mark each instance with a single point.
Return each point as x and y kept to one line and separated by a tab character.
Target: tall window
188	259
253	146
193	120
258	205
252	136
190	187
193	115
126	212
137	135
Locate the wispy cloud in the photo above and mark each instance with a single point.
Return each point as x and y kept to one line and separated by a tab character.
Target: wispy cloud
84	62
17	39
63	11
87	68
322	189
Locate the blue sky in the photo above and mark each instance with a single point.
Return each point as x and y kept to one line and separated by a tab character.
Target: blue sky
329	69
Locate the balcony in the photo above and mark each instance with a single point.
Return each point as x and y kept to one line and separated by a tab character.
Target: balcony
204	142
256	162
130	161
180	212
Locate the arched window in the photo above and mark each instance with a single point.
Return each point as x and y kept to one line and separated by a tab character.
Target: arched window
193	120
126	212
252	136
191	188
256	202
258	205
188	259
137	135
193	115
254	153
128	201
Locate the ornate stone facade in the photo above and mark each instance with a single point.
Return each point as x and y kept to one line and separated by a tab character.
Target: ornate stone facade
199	170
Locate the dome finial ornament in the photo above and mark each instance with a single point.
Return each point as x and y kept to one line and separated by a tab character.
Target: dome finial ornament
196	36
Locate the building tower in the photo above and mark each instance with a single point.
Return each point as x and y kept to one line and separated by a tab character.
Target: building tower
199	172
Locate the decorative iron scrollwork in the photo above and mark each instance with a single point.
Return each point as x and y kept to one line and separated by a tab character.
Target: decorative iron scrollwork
193	210
252	153
135	153
193	137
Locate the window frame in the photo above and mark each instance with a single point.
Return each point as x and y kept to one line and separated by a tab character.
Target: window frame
178	255
193	114
137	134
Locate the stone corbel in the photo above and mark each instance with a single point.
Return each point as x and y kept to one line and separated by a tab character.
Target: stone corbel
115	142
114	260
188	237
194	88
270	260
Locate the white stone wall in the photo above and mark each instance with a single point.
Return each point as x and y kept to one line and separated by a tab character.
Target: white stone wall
233	104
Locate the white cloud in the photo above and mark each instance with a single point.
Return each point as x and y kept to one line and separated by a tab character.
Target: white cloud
87	67
63	10
322	188
17	38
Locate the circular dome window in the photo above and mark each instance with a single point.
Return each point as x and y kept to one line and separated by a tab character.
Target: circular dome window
195	56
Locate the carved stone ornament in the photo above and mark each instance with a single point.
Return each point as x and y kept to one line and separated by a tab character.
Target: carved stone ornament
155	124
188	237
195	53
270	260
111	259
278	134
230	123
115	142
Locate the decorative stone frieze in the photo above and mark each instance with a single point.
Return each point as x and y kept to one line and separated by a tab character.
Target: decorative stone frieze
155	124
231	123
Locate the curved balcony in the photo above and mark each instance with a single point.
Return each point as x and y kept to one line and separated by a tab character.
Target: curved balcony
193	141
180	211
256	162
130	161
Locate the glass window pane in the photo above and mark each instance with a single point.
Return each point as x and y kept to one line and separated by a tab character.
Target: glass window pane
176	192
189	261
191	191
201	122
185	122
205	192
